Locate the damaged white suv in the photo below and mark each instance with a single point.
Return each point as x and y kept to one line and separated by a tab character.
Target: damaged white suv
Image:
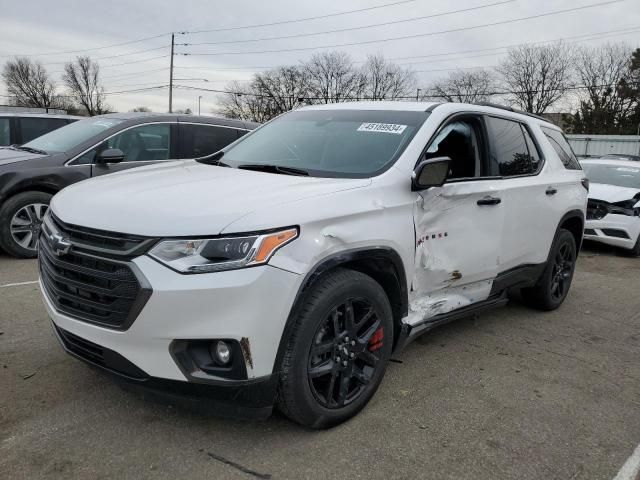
288	267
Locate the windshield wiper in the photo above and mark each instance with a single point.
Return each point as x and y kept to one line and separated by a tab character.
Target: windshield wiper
213	160
260	167
30	149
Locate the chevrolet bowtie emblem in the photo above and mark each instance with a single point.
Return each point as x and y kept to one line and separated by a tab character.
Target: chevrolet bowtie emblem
59	244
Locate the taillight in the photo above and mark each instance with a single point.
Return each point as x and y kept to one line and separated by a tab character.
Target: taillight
585	183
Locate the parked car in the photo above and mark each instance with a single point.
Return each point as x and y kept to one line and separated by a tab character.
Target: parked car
32	173
18	128
613	212
290	265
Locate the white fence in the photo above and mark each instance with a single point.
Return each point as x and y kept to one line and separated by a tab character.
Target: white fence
596	145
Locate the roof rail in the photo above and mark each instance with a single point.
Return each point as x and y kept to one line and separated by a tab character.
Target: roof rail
511	109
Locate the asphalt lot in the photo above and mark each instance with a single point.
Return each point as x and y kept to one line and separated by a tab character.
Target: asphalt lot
513	394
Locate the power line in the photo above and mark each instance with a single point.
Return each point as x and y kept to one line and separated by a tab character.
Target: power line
373	25
121	92
131	74
88	49
297	20
595	36
405	37
117	56
408	97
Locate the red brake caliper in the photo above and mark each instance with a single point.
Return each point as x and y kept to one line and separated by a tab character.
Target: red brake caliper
376	340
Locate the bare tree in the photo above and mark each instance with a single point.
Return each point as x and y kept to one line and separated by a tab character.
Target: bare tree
286	87
82	78
465	86
333	78
606	73
384	80
537	76
28	83
245	102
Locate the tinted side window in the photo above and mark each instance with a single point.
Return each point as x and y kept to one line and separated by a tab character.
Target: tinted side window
460	141
5	137
146	142
509	152
36	127
560	144
534	155
201	140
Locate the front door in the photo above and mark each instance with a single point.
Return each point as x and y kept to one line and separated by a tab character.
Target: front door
141	145
458	226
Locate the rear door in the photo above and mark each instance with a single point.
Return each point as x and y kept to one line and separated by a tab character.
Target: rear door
516	159
141	144
457	225
200	139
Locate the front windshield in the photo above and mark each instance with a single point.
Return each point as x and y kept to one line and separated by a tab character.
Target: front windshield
329	143
65	138
619	175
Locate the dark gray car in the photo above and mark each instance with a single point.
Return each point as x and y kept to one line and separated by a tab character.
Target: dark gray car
32	173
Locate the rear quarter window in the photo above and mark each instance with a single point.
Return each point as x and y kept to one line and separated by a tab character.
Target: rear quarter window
560	144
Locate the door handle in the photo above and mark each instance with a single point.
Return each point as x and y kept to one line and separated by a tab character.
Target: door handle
489	200
551	191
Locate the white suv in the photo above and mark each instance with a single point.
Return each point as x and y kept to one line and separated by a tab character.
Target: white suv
289	266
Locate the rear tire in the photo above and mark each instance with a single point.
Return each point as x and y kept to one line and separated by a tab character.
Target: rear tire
554	283
338	350
20	219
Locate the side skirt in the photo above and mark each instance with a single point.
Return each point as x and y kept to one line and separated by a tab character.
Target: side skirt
518	277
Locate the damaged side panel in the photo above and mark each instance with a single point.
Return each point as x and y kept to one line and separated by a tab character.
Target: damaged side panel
457	249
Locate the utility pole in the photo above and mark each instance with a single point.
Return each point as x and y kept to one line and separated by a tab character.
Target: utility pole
418	94
171	77
199	97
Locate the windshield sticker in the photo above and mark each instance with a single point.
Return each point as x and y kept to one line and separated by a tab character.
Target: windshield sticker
104	123
382	127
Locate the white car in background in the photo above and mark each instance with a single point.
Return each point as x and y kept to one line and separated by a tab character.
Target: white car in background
613	212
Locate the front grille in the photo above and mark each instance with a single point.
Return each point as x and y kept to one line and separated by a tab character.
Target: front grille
597	209
93	289
91	239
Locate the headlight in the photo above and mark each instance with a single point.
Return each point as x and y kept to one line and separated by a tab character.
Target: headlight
217	254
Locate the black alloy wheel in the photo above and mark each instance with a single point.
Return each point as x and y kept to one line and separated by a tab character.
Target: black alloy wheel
343	359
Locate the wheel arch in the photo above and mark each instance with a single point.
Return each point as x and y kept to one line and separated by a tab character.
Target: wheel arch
573	221
383	264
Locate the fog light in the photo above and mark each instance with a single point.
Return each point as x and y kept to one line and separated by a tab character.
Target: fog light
222	352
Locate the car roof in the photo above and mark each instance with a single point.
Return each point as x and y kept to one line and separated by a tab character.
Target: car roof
140	117
40	115
430	106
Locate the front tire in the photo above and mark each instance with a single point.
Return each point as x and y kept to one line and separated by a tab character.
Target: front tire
338	350
553	286
20	220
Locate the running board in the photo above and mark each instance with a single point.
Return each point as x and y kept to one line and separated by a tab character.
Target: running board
410	332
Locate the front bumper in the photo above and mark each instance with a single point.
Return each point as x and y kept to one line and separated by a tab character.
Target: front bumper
249	305
616	230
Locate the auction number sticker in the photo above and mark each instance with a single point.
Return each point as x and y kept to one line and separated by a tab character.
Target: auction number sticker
382	128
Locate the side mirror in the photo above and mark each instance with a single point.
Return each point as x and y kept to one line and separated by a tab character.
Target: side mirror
110	155
432	172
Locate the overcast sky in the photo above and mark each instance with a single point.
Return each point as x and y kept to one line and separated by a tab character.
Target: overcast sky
44	26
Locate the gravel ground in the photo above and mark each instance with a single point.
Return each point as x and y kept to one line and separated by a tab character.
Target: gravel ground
514	394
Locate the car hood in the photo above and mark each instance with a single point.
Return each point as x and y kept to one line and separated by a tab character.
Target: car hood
184	198
612	193
11	155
